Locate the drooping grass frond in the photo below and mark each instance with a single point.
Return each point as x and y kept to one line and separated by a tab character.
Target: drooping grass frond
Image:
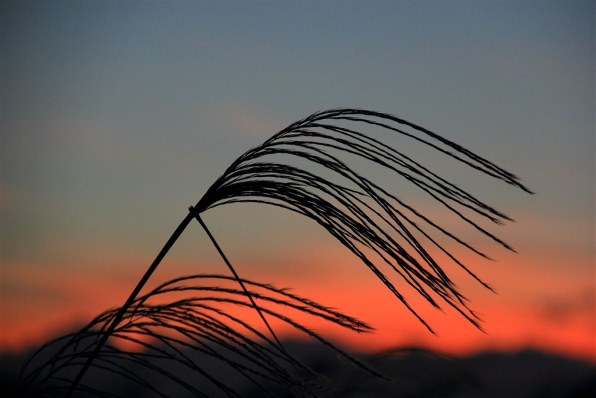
306	168
184	337
314	168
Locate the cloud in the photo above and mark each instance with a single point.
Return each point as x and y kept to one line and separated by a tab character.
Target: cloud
238	117
560	308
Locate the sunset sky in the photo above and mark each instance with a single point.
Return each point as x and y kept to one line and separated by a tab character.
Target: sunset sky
115	116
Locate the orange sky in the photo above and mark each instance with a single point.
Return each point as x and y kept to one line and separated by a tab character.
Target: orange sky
558	322
116	117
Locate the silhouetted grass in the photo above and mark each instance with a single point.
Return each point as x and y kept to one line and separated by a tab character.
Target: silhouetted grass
358	212
312	167
165	326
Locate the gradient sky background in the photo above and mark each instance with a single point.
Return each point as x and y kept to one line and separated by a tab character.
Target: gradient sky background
116	116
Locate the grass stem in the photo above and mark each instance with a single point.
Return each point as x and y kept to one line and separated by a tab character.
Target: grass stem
252	301
118	317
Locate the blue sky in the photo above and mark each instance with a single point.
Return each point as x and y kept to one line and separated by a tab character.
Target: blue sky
117	115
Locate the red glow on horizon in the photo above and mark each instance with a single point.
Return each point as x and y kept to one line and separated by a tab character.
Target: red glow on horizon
509	326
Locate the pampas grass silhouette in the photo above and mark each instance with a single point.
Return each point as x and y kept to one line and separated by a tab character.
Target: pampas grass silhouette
312	168
188	315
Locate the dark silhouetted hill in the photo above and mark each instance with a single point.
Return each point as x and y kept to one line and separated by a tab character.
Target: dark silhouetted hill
411	373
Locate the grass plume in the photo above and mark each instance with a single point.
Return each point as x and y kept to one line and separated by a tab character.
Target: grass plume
307	168
186	315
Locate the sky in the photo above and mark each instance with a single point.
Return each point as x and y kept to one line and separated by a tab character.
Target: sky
115	116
